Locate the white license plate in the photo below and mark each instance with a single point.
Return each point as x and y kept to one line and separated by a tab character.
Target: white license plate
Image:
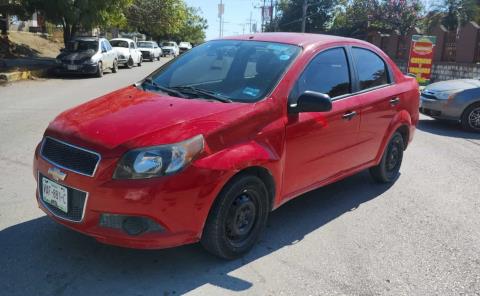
72	67
55	194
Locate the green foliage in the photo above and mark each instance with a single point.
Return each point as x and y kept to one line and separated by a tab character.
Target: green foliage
74	15
319	15
193	29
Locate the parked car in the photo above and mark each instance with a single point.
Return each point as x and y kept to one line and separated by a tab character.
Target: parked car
150	50
184	46
87	55
127	52
205	147
457	100
170	48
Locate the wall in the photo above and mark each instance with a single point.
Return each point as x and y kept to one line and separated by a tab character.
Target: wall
447	71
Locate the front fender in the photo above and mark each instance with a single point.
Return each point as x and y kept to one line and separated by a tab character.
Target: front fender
239	157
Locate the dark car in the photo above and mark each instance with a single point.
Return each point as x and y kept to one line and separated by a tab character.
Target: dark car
87	55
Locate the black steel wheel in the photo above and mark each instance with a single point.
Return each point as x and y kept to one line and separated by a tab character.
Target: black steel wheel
99	70
115	66
130	63
389	167
237	217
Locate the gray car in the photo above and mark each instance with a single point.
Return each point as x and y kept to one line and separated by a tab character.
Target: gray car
457	100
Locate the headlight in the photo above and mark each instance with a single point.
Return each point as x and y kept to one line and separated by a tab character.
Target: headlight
446	95
158	160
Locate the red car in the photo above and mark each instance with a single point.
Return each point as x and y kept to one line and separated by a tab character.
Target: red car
206	146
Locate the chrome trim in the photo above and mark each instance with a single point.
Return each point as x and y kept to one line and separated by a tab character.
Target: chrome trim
71	145
46	206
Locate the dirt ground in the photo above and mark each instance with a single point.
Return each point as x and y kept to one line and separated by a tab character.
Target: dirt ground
33	45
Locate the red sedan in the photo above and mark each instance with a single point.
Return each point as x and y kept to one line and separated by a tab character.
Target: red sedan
206	146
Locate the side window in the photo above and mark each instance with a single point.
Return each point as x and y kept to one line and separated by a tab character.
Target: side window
109	47
372	70
327	73
104	46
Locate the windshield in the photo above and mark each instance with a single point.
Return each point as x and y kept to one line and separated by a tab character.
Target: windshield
82	45
145	44
242	71
119	43
168	44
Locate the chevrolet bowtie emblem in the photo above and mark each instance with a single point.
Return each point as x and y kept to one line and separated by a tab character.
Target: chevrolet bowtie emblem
57	174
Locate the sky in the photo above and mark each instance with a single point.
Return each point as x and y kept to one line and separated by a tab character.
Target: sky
236	17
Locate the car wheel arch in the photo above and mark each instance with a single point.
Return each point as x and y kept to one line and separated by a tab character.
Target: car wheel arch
401	122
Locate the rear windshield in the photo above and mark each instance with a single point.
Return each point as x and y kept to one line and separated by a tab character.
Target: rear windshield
119	43
145	44
243	71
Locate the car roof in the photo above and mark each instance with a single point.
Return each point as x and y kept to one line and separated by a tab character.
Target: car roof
300	39
122	39
145	41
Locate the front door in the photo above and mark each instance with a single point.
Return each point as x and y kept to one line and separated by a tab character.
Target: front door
321	145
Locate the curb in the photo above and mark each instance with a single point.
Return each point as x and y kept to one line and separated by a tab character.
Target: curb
23	75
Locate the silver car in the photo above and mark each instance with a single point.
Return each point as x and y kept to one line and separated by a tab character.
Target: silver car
457	100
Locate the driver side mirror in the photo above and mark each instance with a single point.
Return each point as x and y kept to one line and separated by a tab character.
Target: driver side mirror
311	101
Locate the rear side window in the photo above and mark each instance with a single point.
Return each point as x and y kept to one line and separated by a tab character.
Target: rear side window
372	70
327	73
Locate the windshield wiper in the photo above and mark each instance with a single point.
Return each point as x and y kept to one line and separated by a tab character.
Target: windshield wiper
167	90
204	92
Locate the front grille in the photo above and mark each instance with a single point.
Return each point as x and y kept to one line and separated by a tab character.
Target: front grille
76	202
70	157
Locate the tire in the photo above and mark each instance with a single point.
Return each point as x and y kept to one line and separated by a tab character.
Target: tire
115	66
158	58
99	73
244	200
389	167
129	63
140	62
471	118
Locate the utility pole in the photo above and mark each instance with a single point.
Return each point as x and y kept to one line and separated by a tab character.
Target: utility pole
304	15
221	9
250	23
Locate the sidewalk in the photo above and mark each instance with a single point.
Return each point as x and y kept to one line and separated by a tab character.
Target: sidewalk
24	68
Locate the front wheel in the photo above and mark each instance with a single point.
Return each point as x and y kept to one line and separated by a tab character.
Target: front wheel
387	170
140	61
99	70
130	63
471	118
115	67
237	217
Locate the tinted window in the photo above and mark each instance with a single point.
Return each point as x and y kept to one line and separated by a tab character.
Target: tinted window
327	73
371	68
240	70
119	43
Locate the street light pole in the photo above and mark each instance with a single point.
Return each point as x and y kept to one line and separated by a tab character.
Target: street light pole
304	15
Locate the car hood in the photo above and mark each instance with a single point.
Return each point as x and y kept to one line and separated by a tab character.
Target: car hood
76	56
168	47
146	48
131	118
449	85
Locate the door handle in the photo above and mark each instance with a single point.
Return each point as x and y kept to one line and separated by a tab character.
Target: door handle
395	101
349	115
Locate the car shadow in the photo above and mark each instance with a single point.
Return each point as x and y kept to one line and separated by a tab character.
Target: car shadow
40	257
446	128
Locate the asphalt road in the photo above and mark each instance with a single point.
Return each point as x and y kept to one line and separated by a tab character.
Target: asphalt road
420	236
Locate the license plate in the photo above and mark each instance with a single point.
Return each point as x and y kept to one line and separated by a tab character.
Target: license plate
72	67
55	194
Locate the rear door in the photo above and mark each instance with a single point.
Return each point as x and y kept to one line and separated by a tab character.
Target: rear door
379	99
320	145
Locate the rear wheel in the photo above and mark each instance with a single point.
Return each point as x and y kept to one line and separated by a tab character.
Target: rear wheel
237	217
140	62
471	118
387	170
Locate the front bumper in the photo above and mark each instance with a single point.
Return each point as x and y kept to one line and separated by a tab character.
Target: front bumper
147	55
77	69
441	109
179	204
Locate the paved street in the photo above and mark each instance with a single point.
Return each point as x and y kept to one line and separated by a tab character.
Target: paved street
420	236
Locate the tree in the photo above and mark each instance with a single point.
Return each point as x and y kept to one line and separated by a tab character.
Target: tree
157	18
75	15
193	30
319	15
458	12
